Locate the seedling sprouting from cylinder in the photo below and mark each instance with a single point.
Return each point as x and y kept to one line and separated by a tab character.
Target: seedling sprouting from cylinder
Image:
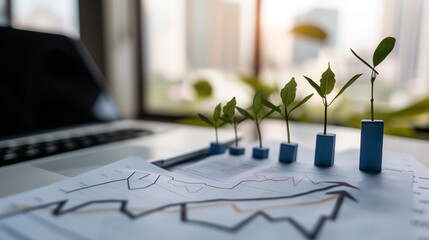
381	52
257	114
327	83
288	94
216	120
230	117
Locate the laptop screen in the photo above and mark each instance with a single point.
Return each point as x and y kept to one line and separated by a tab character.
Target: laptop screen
48	81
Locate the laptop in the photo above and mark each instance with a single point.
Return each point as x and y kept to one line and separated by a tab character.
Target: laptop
58	119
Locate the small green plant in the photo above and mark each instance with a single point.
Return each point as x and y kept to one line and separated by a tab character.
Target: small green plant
216	121
230	117
327	83
381	52
257	112
288	94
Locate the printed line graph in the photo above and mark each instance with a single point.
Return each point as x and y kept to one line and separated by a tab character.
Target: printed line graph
219	198
236	208
265	179
173	179
58	208
127	180
309	234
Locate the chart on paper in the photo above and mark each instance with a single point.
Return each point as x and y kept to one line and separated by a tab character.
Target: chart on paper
218	198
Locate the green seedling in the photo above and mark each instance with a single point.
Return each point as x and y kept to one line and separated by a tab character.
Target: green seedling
257	114
383	49
327	83
230	117
216	120
288	94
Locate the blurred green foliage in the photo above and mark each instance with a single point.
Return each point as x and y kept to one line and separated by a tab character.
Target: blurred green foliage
203	89
400	122
310	31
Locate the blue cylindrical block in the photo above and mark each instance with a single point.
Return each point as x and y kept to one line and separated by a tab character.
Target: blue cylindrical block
288	152
325	150
371	145
260	153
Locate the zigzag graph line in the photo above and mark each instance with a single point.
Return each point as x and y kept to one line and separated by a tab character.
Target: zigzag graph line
58	207
173	179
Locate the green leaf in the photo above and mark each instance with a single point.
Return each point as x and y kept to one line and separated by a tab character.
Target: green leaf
205	119
229	110
314	85
245	113
367	64
301	102
288	93
257	102
327	81
383	49
271	106
216	113
350	82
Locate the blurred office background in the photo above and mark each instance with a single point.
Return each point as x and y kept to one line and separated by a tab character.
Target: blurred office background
168	59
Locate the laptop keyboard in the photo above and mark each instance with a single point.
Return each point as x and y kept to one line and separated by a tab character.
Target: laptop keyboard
21	153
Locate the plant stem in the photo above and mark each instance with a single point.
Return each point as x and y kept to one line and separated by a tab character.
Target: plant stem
259	131
287	128
373	76
217	140
326	116
287	124
235	131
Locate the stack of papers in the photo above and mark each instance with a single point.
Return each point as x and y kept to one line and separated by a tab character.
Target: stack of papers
225	197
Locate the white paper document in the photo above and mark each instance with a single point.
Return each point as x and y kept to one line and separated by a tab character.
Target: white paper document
420	211
221	197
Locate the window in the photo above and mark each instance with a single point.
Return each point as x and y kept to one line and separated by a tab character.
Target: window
195	44
3	13
353	24
61	16
189	43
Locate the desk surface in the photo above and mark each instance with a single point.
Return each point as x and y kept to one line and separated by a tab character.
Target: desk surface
347	138
223	199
